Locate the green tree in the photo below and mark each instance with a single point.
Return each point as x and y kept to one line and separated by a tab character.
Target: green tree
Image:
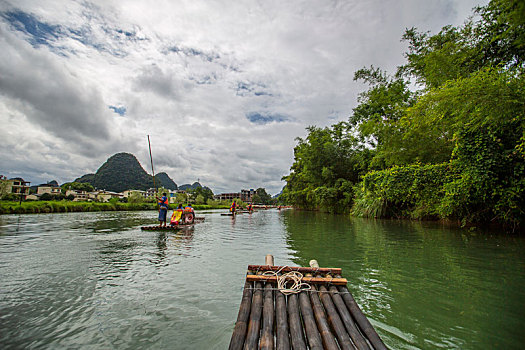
79	186
261	197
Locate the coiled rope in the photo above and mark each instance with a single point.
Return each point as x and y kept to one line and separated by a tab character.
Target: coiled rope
283	280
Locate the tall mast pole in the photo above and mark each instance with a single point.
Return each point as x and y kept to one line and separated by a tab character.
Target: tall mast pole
152	170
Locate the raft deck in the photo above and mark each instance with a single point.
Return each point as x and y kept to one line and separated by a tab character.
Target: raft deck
322	316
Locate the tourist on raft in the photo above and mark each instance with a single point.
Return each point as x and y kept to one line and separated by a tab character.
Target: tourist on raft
233	206
176	217
163	209
189	214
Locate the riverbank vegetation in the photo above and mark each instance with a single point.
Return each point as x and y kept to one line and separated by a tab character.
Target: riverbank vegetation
451	148
64	206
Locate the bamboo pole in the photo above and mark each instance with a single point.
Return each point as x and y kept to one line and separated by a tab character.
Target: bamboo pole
365	325
252	336
152	170
323	270
281	320
322	324
312	333
306	279
296	327
239	331
354	333
335	321
266	342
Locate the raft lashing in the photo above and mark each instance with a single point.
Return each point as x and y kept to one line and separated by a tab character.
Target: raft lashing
322	315
171	228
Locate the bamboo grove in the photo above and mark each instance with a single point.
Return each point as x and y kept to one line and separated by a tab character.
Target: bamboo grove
443	137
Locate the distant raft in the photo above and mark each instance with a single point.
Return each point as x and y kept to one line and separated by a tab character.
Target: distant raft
286	307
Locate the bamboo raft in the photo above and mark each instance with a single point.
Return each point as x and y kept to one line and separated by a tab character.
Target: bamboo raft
323	316
172	228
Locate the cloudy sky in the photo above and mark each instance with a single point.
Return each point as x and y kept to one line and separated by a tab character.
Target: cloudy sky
223	88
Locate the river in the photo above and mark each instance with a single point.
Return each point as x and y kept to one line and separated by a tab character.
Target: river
95	280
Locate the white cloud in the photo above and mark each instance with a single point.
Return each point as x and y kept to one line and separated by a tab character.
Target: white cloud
188	73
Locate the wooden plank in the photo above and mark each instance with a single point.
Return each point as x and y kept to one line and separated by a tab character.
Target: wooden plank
335	321
365	325
239	331
310	327
266	342
322	323
294	321
281	321
359	342
312	280
254	326
322	270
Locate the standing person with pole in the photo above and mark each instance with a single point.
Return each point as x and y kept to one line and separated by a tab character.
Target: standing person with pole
163	201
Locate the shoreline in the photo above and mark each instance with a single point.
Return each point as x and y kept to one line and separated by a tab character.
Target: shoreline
48	207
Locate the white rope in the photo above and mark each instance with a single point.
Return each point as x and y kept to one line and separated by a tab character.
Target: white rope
293	276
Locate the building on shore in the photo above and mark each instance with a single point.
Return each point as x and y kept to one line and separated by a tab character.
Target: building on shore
245	195
15	186
49	189
128	193
79	196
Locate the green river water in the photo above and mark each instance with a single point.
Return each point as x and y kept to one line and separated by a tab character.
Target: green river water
96	281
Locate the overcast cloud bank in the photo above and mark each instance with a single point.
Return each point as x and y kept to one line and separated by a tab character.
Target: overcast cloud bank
223	88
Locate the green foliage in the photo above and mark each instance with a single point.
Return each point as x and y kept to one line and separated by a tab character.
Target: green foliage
327	163
205	193
33	207
412	191
136	197
454	149
79	186
261	197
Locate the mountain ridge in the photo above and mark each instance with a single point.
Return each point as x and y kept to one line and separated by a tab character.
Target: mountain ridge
122	171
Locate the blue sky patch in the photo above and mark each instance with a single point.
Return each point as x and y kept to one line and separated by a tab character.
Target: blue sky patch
40	33
119	110
264	118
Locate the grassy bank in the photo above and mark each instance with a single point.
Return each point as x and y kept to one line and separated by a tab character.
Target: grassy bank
67	206
9	207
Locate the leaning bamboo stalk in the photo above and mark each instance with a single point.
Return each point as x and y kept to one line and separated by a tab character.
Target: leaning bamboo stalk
239	331
354	333
322	323
312	333
365	325
254	326
335	321
281	321
266	342
296	327
306	279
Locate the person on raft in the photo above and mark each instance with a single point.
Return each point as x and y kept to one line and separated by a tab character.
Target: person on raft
176	217
163	209
249	207
189	214
232	208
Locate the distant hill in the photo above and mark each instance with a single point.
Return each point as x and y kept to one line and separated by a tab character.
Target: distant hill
165	181
186	187
123	171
